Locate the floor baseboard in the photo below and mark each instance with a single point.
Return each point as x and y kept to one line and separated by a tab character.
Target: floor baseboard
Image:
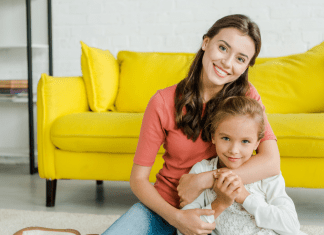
13	160
15	156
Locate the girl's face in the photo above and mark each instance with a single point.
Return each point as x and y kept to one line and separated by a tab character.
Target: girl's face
227	55
235	138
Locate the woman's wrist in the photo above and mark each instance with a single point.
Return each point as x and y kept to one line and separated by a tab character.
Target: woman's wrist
175	217
206	180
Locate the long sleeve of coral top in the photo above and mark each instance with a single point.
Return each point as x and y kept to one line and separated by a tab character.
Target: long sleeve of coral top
181	153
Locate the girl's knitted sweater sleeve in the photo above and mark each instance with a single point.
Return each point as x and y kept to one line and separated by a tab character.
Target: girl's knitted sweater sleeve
277	211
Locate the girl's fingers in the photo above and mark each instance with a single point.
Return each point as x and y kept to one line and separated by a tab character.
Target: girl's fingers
229	182
219	173
224	169
234	186
224	175
221	177
237	192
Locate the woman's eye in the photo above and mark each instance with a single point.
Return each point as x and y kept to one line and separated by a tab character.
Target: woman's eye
222	48
241	59
225	138
245	141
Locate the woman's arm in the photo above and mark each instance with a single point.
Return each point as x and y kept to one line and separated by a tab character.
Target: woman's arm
188	222
199	203
264	164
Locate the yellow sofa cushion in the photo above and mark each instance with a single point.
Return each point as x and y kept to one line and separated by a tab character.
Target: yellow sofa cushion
261	60
142	74
100	73
299	135
99	166
97	132
291	84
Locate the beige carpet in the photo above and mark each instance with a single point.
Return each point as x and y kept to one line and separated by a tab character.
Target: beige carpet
13	220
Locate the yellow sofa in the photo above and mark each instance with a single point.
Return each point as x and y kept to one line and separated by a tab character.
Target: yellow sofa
88	126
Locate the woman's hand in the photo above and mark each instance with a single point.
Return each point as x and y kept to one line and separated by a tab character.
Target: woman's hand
188	189
227	186
189	222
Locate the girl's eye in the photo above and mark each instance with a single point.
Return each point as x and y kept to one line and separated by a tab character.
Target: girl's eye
241	59
245	141
225	138
222	48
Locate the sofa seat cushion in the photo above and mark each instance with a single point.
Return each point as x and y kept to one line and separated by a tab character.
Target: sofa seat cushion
109	132
299	135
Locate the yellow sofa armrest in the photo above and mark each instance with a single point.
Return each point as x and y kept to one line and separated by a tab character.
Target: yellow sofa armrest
56	97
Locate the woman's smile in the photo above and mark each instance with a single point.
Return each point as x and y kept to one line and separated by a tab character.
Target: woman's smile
220	72
226	57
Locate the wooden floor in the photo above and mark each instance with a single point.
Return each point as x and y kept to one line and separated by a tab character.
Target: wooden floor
20	190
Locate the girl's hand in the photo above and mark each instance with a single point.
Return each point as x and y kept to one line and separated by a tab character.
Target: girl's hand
189	222
227	187
243	194
192	185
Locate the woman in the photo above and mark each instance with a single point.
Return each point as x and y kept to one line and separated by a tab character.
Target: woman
176	117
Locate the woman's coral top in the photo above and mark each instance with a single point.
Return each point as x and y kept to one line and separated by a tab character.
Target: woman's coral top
181	153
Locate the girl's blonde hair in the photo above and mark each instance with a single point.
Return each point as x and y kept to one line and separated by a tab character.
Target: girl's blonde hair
238	106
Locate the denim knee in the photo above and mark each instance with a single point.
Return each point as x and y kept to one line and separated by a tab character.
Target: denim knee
140	220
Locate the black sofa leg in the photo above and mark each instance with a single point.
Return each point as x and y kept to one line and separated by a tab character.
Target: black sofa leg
99	182
50	192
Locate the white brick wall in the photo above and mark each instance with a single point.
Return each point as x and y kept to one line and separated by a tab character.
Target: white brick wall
287	26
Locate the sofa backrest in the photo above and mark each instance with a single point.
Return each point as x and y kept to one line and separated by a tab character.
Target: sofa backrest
142	74
289	84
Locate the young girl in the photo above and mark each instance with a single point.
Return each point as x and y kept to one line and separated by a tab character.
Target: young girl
176	117
259	208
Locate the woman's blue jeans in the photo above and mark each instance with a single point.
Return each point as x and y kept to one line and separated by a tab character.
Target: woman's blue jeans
140	220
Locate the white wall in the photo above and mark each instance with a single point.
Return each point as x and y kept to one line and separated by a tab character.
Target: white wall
13	40
14	137
287	27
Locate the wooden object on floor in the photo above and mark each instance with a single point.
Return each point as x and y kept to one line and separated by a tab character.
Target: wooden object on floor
29	230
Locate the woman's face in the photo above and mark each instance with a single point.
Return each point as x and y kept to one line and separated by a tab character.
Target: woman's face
227	55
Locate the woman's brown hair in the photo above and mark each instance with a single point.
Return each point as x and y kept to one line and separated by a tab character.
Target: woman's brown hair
188	90
238	106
